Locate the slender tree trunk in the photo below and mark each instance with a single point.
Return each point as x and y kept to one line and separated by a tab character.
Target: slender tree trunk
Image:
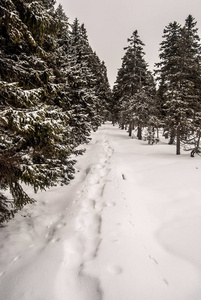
172	137
113	120
178	146
122	121
157	132
131	127
198	142
165	133
139	132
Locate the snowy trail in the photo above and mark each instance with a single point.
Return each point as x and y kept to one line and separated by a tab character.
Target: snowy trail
53	268
84	245
115	233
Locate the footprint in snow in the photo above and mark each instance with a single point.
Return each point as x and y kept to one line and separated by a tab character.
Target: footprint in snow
15	259
111	204
153	259
60	225
131	223
87	171
100	206
165	281
55	240
115	270
73	252
124	177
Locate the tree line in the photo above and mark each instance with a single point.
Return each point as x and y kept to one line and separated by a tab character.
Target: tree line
174	103
54	91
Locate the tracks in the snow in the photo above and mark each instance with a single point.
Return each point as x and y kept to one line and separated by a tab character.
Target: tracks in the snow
84	246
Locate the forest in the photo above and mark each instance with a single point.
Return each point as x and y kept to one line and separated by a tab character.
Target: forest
54	91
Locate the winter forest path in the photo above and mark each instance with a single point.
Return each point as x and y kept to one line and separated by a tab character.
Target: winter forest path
100	238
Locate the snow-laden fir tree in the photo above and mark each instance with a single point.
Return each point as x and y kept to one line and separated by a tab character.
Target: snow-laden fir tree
179	79
34	131
87	100
192	67
134	89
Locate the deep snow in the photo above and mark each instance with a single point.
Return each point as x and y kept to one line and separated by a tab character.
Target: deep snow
128	227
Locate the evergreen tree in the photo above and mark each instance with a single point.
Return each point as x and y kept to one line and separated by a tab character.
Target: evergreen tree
134	90
191	43
84	94
34	144
179	76
101	85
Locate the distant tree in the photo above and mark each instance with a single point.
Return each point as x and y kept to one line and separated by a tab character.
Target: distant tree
101	85
145	108
134	89
84	76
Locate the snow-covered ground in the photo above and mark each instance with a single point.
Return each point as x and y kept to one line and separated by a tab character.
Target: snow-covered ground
128	227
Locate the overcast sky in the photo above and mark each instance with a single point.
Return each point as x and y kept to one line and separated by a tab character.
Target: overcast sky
110	22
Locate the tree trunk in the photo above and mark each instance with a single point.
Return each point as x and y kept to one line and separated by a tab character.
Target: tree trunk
157	132
165	133
113	120
122	121
139	132
178	146
131	127
172	137
198	142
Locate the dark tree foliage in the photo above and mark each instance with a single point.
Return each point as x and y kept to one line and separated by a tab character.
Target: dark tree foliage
48	98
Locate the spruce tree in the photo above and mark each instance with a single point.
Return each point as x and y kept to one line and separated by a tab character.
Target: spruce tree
83	92
179	76
134	88
32	127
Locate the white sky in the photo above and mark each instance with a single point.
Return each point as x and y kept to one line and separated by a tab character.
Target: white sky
110	22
